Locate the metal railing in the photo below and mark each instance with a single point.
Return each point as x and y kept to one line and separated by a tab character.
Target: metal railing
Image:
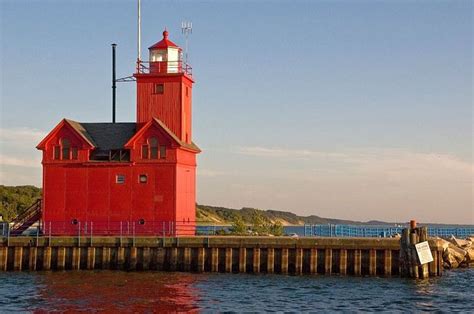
118	228
156	67
332	230
4	227
114	228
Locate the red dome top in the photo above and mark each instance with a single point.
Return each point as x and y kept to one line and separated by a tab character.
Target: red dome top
164	43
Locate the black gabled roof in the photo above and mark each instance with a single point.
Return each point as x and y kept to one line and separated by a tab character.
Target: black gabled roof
106	136
109	136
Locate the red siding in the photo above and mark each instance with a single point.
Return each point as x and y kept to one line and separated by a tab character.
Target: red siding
89	193
172	107
185	197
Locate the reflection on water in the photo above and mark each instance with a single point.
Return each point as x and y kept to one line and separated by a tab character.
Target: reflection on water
170	292
98	291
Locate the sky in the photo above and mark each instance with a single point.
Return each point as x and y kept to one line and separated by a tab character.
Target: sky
347	109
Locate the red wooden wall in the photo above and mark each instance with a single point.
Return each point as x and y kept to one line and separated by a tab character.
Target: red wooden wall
89	193
173	107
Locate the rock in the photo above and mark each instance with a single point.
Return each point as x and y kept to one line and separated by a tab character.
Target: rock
445	244
470	255
454	256
460	242
450	262
458	253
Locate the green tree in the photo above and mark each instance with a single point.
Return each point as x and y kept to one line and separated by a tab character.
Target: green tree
238	226
259	224
277	229
15	199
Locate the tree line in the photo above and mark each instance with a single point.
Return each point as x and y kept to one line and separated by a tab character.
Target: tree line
15	199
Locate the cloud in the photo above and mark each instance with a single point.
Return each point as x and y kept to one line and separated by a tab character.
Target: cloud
19	162
389	159
272	152
21	136
211	173
375	183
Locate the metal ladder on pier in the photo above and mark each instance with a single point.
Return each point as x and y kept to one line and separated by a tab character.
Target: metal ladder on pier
26	219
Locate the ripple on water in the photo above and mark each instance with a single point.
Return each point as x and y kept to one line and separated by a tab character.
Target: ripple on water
164	292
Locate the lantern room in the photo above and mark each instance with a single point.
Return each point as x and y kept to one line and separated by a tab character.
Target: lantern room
165	56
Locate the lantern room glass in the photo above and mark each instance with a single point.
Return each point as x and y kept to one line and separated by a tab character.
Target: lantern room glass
165	60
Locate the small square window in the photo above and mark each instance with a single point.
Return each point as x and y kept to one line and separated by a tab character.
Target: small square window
143	178
159	89
120	179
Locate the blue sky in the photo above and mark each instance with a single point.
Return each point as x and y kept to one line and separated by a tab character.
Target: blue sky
349	109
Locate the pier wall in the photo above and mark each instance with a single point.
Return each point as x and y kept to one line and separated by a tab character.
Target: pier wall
283	255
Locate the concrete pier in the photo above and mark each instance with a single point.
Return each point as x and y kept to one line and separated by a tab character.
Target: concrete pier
329	256
328	261
270	260
256	260
343	262
228	260
313	261
242	260
32	258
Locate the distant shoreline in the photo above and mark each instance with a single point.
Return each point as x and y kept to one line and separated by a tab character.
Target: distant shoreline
17	198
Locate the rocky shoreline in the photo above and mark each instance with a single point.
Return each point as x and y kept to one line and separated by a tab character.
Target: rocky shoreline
458	252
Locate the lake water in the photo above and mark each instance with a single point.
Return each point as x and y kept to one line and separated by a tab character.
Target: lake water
161	292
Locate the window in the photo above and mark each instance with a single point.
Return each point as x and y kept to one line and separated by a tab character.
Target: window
145	151
159	89
151	149
187	92
153	142
57	152
163	152
74	153
143	178
120	179
66	149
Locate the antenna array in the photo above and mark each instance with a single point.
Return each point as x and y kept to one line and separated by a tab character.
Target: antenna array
186	29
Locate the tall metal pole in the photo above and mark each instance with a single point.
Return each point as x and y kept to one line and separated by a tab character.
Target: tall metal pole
139	37
114	81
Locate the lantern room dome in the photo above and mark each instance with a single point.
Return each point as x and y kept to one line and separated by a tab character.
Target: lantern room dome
164	43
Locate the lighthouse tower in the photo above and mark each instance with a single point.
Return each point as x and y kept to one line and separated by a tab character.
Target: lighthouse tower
164	89
128	177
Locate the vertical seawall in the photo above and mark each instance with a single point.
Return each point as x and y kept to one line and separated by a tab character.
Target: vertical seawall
283	255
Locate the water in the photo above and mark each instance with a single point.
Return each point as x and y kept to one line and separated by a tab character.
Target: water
164	292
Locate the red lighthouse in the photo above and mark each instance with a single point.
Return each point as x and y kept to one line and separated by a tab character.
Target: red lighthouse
138	177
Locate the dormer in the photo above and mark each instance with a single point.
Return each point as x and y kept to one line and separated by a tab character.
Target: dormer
66	143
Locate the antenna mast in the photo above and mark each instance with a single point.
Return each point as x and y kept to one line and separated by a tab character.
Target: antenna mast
186	29
139	37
